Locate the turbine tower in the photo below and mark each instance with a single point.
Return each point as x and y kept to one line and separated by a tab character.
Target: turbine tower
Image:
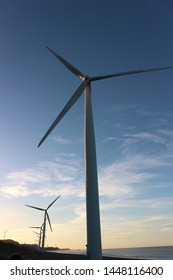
94	248
46	217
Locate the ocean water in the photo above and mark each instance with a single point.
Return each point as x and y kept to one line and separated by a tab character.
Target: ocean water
152	253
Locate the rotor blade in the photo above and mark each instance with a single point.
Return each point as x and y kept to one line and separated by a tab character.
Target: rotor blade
37	233
52	202
127	73
35	207
49	221
35	227
67	64
67	107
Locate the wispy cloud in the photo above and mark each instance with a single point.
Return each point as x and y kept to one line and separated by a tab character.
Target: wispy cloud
167	133
60	140
137	204
46	178
108	139
121	108
66	175
155	114
146	136
130	138
14	190
125	177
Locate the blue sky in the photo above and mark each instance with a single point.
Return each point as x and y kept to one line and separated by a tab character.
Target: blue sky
133	118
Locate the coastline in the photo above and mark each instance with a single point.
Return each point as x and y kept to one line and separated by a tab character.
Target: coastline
12	250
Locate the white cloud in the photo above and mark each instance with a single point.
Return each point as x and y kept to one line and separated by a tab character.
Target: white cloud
141	137
60	140
121	108
121	179
14	190
127	203
167	133
46	178
108	139
155	114
65	176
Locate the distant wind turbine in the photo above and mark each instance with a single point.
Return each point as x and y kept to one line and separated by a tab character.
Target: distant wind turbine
94	249
5	232
40	234
46	217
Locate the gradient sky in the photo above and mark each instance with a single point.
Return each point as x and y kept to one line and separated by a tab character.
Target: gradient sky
133	118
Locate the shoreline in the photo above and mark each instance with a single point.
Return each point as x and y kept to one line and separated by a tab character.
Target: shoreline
11	250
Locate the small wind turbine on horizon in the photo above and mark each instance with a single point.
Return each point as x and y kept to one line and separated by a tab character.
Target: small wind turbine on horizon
5	232
46	217
94	247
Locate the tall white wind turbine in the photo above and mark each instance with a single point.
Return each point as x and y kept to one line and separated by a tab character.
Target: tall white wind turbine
94	249
46	217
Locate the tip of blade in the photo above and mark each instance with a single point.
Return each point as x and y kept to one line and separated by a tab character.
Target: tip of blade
47	47
39	144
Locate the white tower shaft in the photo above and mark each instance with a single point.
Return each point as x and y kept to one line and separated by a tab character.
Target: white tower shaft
94	249
44	232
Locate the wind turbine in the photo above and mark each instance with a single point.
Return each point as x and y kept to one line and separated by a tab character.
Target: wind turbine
5	232
94	249
40	234
46	217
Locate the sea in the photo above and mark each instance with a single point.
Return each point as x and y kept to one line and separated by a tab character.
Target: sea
148	253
